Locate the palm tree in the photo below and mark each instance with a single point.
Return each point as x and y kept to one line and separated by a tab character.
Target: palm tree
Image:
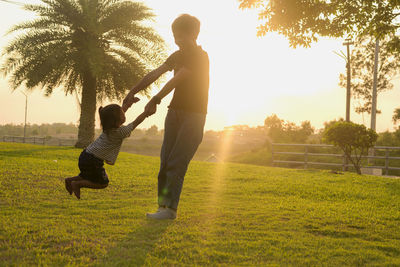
98	48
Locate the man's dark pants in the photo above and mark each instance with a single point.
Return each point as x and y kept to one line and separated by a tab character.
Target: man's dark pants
183	133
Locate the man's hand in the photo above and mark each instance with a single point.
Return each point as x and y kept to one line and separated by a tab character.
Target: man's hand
128	102
150	108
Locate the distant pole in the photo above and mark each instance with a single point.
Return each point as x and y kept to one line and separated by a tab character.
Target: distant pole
347	43
374	87
26	111
371	152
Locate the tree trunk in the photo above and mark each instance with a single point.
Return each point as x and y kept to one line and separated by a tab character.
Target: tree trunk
88	111
358	168
356	164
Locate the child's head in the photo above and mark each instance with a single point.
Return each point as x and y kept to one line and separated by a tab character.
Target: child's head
111	116
185	28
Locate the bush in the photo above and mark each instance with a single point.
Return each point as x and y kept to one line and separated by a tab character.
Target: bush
354	139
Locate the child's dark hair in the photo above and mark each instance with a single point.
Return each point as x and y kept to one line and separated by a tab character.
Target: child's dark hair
110	117
187	24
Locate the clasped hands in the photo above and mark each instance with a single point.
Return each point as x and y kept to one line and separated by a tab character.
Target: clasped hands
149	109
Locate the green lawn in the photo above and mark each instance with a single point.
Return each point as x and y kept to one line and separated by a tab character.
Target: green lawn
230	214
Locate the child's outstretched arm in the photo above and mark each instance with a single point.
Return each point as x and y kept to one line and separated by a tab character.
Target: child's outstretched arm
140	119
125	131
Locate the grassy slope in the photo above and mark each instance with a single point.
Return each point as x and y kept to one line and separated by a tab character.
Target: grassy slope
230	214
261	156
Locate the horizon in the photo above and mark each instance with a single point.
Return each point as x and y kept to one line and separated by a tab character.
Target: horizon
254	77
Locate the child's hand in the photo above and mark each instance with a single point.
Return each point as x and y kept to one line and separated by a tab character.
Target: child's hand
128	102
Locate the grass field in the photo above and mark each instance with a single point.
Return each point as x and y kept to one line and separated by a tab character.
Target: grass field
230	214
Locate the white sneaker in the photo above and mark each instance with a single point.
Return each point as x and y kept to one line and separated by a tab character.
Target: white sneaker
162	214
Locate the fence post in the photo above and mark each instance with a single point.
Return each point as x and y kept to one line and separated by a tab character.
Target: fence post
305	156
272	155
386	161
344	167
44	140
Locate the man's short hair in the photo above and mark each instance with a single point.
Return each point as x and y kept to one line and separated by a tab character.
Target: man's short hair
187	24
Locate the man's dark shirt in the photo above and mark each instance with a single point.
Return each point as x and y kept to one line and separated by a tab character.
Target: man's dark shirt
192	93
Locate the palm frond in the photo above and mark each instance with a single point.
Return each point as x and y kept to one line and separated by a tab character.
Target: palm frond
69	37
32	40
151	53
37	24
121	15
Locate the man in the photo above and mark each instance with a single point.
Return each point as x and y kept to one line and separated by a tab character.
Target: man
184	124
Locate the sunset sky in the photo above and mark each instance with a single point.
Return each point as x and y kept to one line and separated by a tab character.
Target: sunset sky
250	77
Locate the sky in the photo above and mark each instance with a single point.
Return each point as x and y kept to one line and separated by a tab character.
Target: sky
250	77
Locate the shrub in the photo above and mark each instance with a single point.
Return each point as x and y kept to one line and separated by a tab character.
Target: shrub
354	139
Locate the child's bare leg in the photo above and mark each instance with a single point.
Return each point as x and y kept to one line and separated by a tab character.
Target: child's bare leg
68	183
78	184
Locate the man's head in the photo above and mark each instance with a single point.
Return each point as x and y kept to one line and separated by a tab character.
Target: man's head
111	116
185	28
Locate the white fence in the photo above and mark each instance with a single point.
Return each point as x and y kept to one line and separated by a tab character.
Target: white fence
39	140
306	154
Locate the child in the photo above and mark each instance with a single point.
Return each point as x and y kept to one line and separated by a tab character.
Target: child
184	123
105	148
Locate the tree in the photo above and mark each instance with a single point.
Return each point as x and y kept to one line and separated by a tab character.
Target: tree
306	130
396	118
328	124
354	139
362	68
396	115
287	132
304	21
99	48
387	139
274	127
153	130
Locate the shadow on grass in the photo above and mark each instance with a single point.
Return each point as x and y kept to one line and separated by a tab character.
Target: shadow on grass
136	246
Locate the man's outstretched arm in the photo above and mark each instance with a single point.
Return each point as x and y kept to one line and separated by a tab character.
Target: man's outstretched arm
151	107
151	77
126	106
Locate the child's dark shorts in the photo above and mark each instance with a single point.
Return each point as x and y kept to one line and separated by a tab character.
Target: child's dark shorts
92	168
